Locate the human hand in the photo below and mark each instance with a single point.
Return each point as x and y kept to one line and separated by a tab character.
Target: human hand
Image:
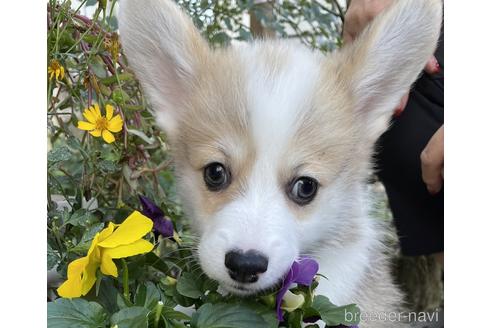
432	161
359	14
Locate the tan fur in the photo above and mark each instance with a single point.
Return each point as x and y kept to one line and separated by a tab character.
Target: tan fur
215	129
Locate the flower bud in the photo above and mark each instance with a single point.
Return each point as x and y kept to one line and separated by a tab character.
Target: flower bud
291	301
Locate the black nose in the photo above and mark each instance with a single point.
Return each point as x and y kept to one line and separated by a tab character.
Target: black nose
245	267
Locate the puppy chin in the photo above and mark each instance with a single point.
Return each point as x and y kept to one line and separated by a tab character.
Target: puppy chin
245	290
238	290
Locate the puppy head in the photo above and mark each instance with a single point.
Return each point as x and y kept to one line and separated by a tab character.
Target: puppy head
271	141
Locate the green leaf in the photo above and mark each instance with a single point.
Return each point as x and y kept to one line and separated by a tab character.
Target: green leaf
155	261
180	299
59	154
119	96
147	295
189	286
142	136
127	174
244	34
226	316
82	217
106	296
84	244
89	234
171	314
113	22
267	313
221	38
121	302
334	315
74	143
53	257
295	319
112	79
209	284
76	313
131	317
98	67
108	166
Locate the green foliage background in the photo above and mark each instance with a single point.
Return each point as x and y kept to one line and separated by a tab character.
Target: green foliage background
91	182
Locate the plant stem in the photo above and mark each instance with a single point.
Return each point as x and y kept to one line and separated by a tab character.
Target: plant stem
158	311
126	291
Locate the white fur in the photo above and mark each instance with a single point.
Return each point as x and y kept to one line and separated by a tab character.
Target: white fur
276	103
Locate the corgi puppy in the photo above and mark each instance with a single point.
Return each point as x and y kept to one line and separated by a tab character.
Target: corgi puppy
272	144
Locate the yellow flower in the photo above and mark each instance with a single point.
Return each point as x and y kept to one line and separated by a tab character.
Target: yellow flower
113	45
113	242
55	69
99	125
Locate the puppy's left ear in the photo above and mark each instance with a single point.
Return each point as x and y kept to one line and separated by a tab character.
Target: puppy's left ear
379	67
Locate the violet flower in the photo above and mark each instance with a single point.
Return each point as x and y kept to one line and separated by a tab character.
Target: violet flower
301	272
162	225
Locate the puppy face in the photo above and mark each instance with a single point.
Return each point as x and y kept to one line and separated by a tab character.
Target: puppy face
272	141
252	175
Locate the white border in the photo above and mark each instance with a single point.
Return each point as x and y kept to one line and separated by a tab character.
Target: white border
23	163
468	229
468	162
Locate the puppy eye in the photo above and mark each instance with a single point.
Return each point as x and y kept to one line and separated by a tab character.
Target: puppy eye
303	190
216	176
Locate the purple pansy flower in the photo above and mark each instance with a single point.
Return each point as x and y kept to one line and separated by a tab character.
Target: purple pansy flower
162	225
301	272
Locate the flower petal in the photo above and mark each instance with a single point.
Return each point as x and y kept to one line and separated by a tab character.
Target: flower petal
141	246
133	228
72	287
307	270
93	253
108	136
150	209
109	112
76	267
291	301
89	276
105	233
164	227
107	266
302	272
280	296
115	124
96	111
89	116
86	126
96	133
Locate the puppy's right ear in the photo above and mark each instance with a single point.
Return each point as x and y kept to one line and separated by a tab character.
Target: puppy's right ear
379	67
165	50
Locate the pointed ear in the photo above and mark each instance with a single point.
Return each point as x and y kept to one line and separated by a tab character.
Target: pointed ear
380	66
165	51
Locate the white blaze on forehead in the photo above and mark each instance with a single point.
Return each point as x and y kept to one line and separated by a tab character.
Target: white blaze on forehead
280	82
